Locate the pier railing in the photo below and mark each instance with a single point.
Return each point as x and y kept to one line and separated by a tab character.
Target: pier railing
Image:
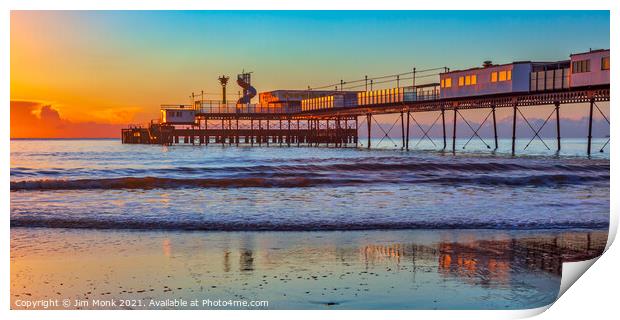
211	106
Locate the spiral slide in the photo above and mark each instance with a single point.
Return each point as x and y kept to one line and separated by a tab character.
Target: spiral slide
248	91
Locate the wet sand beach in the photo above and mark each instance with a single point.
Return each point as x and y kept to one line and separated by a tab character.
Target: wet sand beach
395	269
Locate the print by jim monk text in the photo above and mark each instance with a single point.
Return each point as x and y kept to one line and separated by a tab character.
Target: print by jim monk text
137	303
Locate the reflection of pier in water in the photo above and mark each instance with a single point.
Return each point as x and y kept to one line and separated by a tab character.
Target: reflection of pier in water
246	260
490	261
497	260
506	267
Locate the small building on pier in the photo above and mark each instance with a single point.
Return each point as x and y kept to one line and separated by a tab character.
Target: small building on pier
590	68
489	79
180	114
293	98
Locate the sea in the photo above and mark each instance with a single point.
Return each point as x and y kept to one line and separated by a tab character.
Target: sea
305	227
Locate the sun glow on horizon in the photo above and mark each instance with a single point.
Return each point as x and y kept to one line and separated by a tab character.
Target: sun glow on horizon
105	69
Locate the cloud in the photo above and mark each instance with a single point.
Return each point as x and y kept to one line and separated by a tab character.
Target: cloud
48	114
35	119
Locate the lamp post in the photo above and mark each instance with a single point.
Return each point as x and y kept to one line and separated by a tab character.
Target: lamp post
223	81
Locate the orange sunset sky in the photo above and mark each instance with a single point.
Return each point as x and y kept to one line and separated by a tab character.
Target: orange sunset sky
89	73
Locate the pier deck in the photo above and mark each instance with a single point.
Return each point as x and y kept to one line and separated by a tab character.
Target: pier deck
338	127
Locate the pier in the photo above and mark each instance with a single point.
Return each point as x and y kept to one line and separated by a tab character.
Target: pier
251	129
291	123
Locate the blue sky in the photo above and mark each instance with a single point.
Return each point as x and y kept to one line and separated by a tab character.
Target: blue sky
124	64
321	46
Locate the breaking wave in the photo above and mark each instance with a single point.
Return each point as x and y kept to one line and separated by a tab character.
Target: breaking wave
105	185
284	181
382	165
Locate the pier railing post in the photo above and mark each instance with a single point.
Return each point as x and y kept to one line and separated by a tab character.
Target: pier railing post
590	126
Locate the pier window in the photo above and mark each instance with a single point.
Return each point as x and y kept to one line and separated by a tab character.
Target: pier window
605	63
581	66
503	76
446	83
468	80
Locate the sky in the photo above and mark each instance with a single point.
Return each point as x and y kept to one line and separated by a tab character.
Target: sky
89	73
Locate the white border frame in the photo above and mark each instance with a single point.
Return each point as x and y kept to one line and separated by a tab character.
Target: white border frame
594	290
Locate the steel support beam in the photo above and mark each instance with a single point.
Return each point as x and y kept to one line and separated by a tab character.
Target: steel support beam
222	136
327	133
590	126
298	135
402	128
369	119
454	132
356	131
557	124
514	128
443	122
288	139
494	127
230	135
259	137
407	141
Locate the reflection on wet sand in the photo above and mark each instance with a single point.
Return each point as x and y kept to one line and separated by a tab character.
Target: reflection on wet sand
294	270
246	262
490	262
